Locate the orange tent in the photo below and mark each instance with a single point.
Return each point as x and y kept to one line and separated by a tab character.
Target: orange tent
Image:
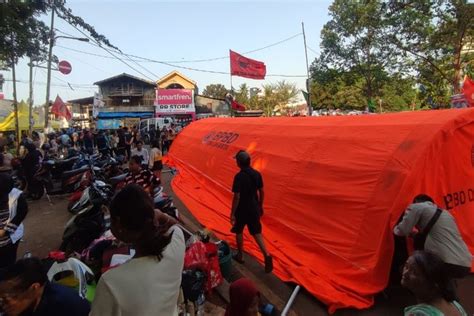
335	187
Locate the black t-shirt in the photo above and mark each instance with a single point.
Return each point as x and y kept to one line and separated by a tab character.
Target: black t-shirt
247	182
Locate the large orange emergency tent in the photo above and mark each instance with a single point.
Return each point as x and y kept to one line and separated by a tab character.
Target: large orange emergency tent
335	187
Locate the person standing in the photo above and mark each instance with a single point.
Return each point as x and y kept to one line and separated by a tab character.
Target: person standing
89	142
149	283
128	142
156	159
247	207
171	135
438	233
102	143
13	210
142	152
164	139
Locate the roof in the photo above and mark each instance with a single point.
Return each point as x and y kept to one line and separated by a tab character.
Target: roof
347	181
125	75
173	73
83	101
206	97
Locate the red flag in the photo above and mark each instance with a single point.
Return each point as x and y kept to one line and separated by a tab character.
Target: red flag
246	67
60	109
468	90
237	106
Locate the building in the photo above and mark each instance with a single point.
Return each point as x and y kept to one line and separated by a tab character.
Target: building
126	99
213	106
82	112
175	97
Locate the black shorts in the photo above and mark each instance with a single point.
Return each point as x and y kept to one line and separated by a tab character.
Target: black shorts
253	224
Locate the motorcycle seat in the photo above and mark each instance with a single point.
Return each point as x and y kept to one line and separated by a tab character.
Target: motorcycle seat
65	161
117	179
67	174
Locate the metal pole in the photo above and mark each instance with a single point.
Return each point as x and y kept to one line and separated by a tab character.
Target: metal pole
15	107
290	301
50	56
308	83
30	99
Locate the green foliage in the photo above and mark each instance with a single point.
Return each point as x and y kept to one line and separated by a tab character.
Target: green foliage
217	91
383	50
275	97
21	33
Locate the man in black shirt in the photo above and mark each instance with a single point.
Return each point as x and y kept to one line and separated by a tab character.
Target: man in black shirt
247	207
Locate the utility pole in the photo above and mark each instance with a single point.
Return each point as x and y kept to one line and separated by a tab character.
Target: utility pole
308	81
15	107
50	56
30	99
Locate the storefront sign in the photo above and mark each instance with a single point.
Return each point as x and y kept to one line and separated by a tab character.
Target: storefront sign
174	101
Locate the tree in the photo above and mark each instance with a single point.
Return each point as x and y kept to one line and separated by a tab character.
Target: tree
242	95
21	34
276	96
217	91
433	35
352	42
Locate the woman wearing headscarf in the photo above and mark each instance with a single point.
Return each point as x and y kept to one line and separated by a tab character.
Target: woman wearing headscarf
244	299
13	210
424	276
31	162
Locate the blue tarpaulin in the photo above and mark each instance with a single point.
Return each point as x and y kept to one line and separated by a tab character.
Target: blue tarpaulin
109	124
117	115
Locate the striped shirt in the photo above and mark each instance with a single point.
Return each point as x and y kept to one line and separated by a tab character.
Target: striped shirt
144	178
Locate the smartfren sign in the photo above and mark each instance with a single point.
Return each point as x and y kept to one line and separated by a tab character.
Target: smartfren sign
174	101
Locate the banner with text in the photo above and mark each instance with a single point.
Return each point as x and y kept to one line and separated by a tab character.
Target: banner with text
174	101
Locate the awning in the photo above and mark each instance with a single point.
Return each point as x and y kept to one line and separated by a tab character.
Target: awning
113	115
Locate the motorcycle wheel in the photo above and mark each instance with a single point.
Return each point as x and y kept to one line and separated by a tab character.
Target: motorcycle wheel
36	193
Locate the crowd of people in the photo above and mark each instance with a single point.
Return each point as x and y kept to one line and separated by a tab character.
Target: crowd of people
150	282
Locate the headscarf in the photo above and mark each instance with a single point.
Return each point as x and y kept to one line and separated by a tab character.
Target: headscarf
242	294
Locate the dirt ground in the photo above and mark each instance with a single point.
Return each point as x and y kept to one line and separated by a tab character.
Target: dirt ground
45	222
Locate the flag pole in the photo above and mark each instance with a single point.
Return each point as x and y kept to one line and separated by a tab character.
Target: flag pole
308	82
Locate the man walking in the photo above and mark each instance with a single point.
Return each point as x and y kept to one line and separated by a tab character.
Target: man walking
247	207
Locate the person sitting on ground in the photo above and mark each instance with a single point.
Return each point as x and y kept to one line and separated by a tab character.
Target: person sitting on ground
156	159
142	177
148	284
424	276
13	210
142	152
25	290
247	208
443	239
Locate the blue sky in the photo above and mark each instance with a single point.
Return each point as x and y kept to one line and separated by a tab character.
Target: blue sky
181	31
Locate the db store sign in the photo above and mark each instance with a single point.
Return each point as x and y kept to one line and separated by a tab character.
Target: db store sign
174	101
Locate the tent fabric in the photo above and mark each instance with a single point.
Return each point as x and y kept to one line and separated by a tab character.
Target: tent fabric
112	115
8	124
334	188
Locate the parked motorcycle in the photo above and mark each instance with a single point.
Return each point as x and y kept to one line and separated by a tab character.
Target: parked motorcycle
90	221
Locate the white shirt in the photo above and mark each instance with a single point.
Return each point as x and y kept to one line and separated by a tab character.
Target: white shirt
143	286
142	153
444	238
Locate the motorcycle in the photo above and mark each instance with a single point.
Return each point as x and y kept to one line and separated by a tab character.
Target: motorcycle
90	220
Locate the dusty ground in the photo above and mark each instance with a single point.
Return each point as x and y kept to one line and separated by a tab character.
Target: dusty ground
45	223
